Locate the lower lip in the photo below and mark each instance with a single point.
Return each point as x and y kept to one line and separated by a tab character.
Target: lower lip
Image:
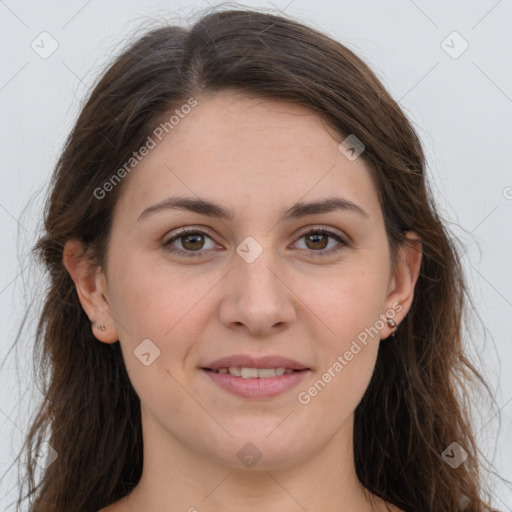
257	388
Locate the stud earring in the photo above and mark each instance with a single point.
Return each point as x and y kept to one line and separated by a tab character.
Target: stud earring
391	323
101	327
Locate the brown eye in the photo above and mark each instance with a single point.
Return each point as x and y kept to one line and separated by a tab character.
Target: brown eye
192	242
317	241
188	242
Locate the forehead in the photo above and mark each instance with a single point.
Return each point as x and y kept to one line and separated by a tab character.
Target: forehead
253	155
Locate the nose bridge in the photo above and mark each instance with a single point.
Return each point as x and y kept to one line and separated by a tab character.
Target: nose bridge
258	299
255	269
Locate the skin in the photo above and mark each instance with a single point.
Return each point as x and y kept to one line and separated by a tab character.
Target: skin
255	157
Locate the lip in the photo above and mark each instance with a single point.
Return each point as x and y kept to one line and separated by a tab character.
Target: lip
256	388
246	361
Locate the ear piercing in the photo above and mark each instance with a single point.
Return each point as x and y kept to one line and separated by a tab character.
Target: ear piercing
101	327
391	322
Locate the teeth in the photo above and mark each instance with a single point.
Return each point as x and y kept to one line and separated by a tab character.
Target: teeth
254	373
234	371
251	373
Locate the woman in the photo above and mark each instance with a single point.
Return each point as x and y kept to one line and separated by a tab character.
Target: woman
253	302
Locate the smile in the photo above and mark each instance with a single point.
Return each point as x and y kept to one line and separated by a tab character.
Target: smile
256	383
253	373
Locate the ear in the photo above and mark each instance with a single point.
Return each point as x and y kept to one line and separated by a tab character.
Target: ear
403	280
91	287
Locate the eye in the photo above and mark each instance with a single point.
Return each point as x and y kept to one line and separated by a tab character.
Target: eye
192	241
316	240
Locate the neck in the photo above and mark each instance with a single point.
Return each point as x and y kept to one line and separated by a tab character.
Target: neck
178	478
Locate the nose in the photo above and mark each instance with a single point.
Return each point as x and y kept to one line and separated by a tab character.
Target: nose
257	297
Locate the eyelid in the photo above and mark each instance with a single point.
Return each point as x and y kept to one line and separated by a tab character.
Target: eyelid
320	227
343	240
176	233
181	232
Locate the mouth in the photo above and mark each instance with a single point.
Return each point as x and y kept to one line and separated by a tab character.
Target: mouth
255	377
255	383
254	373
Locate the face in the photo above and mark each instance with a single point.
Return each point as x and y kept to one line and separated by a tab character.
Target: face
271	278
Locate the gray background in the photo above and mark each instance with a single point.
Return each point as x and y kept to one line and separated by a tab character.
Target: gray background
461	106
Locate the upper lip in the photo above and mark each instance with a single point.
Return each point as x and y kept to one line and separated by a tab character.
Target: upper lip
246	361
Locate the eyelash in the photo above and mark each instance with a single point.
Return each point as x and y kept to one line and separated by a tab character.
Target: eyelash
191	254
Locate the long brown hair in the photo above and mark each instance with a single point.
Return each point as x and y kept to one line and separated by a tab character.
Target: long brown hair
411	411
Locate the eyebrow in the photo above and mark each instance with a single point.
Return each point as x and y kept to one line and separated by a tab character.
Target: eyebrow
213	209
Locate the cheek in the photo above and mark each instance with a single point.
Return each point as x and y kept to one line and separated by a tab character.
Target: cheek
150	301
349	302
347	362
349	307
147	297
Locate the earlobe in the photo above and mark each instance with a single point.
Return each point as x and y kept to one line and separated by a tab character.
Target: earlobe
91	289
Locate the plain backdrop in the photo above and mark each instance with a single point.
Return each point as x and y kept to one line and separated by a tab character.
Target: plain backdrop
448	64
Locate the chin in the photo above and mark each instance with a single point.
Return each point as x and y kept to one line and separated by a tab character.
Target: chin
261	449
